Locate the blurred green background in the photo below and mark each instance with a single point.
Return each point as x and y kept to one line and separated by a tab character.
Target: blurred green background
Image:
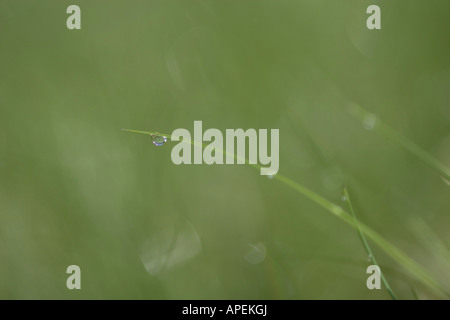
75	189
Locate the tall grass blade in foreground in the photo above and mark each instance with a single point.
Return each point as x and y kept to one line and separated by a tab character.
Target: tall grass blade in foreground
437	250
346	197
381	128
413	267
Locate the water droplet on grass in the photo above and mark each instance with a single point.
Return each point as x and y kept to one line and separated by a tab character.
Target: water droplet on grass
159	140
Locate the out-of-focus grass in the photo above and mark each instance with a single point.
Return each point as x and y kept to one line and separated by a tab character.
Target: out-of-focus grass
75	190
346	198
417	271
372	122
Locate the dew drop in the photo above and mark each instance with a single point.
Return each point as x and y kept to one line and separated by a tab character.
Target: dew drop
159	140
344	198
369	258
369	121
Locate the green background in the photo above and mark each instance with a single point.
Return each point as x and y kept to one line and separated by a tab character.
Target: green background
75	189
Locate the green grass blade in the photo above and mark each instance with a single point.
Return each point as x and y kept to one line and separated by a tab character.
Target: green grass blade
381	128
366	244
410	265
